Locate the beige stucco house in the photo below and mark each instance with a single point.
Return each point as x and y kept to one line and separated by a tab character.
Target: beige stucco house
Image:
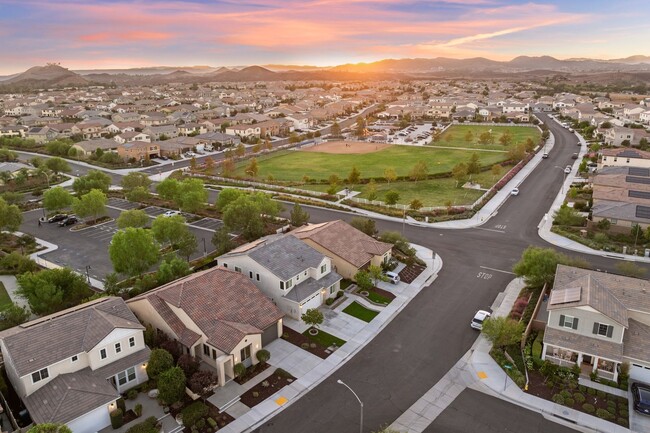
70	367
598	321
350	249
217	315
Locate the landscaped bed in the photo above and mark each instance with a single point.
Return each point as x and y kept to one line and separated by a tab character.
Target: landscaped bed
379	296
323	339
263	390
251	372
305	343
410	273
360	312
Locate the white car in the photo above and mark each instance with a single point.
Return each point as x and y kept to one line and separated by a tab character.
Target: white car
515	191
567	169
171	213
479	318
392	277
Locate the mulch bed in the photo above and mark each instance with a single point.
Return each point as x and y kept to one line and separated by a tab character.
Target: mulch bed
129	416
275	383
410	273
251	372
298	339
384	293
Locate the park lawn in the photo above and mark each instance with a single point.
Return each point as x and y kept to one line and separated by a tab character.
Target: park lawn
454	136
360	312
5	300
324	339
294	165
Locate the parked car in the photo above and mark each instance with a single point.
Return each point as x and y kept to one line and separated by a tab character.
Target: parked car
164	158
171	213
567	169
641	396
479	318
574	156
72	219
56	218
545	155
392	277
515	191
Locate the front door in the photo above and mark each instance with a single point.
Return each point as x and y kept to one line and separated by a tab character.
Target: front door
586	359
245	356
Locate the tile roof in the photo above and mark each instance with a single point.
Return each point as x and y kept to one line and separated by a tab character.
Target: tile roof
224	304
42	342
583	343
344	241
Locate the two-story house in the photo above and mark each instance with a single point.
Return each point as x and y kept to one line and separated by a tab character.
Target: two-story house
138	150
598	321
295	276
70	367
217	315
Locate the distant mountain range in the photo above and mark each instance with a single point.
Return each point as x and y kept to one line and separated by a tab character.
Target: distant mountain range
53	75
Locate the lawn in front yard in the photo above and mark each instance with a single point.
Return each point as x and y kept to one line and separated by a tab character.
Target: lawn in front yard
5	300
455	136
360	312
324	339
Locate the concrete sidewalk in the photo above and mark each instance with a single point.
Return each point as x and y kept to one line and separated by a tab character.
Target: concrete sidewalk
322	369
477	370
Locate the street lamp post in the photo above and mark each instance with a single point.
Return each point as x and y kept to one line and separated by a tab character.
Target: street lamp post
88	273
340	382
205	251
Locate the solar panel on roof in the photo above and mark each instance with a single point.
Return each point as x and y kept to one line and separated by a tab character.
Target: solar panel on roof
638	194
563	296
635	179
637	171
642	212
629	154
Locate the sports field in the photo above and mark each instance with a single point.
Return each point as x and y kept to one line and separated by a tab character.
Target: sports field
457	136
320	163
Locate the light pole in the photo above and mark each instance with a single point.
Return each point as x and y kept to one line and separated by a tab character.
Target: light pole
340	382
205	251
88	273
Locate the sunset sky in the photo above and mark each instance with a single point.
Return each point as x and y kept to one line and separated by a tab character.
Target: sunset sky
86	34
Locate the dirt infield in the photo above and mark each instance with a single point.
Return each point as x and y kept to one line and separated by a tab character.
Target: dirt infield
346	147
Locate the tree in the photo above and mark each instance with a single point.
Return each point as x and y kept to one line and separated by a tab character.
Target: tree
13	315
416	204
496	171
172	268
486	138
529	145
449	137
568	216
391	197
49	428
133	251
10	216
226	197
186	245
365	225
192	164
363	280
474	165
240	150
132	218
95	179
171	385
209	165
506	138
138	194
252	168
502	331
537	265
459	173
57	165
371	190
299	217
222	241
354	175
57	198
469	136
360	130
376	274
52	290
92	204
390	175
168	188
168	230
200	381
227	167
312	317
335	130
244	215
333	179
517	153
135	180
159	361
192	195
419	171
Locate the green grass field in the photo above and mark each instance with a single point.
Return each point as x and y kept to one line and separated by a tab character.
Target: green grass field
454	136
360	312
324	339
294	165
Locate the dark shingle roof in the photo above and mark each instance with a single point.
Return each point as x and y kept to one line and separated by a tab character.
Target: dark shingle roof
286	256
583	343
308	287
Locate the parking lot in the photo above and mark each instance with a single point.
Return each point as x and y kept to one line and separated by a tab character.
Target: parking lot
417	135
89	247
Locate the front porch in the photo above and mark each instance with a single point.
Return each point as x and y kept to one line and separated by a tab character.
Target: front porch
605	368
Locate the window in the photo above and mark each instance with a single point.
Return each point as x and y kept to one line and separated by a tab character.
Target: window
118	347
603	329
237	269
323	269
250	274
257	276
281	285
130	374
568	322
102	354
289	284
206	350
126	376
245	353
332	289
39	375
75	358
225	265
131	341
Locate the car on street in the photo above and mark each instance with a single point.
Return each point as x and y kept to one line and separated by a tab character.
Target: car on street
70	220
641	396
567	169
515	191
545	155
479	318
574	156
392	277
171	213
56	218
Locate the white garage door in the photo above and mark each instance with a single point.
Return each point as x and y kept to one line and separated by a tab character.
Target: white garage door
640	373
314	302
91	422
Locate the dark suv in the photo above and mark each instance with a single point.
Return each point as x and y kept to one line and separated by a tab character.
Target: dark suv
68	221
56	218
641	394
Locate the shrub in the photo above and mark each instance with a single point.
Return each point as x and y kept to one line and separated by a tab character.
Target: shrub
263	356
256	394
582	388
569	402
624	412
265	383
188	364
557	398
589	408
171	385
623	421
121	404
601	394
212	422
283	373
329	301
132	394
193	413
591	391
579	398
612	410
200	424
160	361
138	410
603	414
304	346
565	394
117	418
339	294
239	369
146	426
593	376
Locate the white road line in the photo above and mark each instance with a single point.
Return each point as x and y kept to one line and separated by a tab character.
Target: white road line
490	230
497	270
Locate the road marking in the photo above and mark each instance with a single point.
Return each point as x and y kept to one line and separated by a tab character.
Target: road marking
484	276
500	226
489	230
497	270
